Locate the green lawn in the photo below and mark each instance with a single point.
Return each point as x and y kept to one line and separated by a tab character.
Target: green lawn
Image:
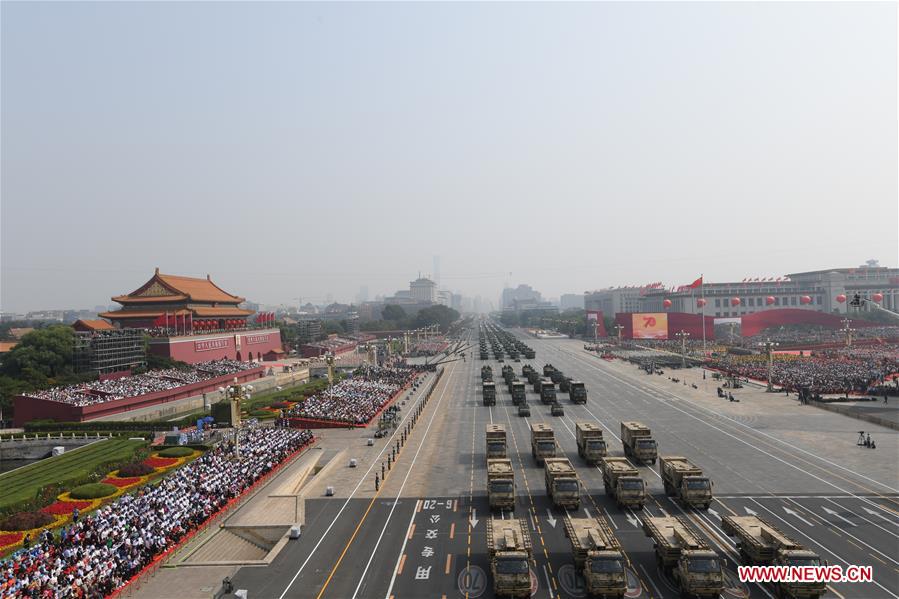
23	484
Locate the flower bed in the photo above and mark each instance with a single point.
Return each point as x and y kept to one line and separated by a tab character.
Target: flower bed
90	497
61	508
123	482
175	452
157	462
10	539
92	491
25	521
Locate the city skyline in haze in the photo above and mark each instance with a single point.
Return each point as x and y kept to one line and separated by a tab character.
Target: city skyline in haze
300	149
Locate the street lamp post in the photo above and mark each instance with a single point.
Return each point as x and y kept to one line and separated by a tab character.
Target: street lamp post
682	335
770	345
848	331
237	393
618	328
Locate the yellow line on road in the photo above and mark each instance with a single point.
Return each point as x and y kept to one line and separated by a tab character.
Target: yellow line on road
411	531
402	563
452	530
449	559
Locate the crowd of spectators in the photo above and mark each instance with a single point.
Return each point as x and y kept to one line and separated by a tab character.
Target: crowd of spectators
99	553
820	374
428	348
96	392
355	400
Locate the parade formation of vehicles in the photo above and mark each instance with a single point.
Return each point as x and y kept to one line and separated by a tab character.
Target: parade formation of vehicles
682	554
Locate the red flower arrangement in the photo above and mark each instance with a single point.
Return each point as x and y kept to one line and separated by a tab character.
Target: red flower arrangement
122	482
155	462
66	507
11	538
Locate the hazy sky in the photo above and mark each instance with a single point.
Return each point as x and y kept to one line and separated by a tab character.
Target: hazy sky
299	149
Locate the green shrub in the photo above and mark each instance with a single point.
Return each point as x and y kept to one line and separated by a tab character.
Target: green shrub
25	521
92	491
176	452
263	414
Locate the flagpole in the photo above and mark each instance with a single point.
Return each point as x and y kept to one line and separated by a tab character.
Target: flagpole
702	310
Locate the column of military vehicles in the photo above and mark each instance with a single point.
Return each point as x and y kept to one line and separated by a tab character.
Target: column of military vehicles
501	343
682	553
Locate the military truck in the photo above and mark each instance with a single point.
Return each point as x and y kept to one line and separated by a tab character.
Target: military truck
685	481
590	444
561	483
543	441
524	409
685	556
489	390
565	384
526	369
496	441
486	373
483	354
556	376
510	550
623	482
500	484
533	377
597	555
547	392
761	543
638	442
529	353
556	409
518	392
577	393
548	370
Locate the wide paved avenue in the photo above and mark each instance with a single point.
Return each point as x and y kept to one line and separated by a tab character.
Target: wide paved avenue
422	534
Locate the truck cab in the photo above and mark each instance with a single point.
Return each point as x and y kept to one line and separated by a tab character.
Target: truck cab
700	572
543	442
510	549
577	393
604	573
547	392
489	392
518	392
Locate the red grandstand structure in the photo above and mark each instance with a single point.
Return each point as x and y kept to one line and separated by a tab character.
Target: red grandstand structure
28	408
193	320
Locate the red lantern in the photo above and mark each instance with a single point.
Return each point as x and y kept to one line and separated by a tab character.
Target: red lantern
701	302
735	301
805	300
769	300
841	298
667	303
877	297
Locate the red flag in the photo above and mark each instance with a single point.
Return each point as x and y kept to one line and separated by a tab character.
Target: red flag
695	283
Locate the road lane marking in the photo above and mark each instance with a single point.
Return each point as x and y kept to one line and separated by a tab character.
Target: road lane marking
399	569
399	493
449	559
392	508
734	422
757	448
411	531
452	530
362	479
